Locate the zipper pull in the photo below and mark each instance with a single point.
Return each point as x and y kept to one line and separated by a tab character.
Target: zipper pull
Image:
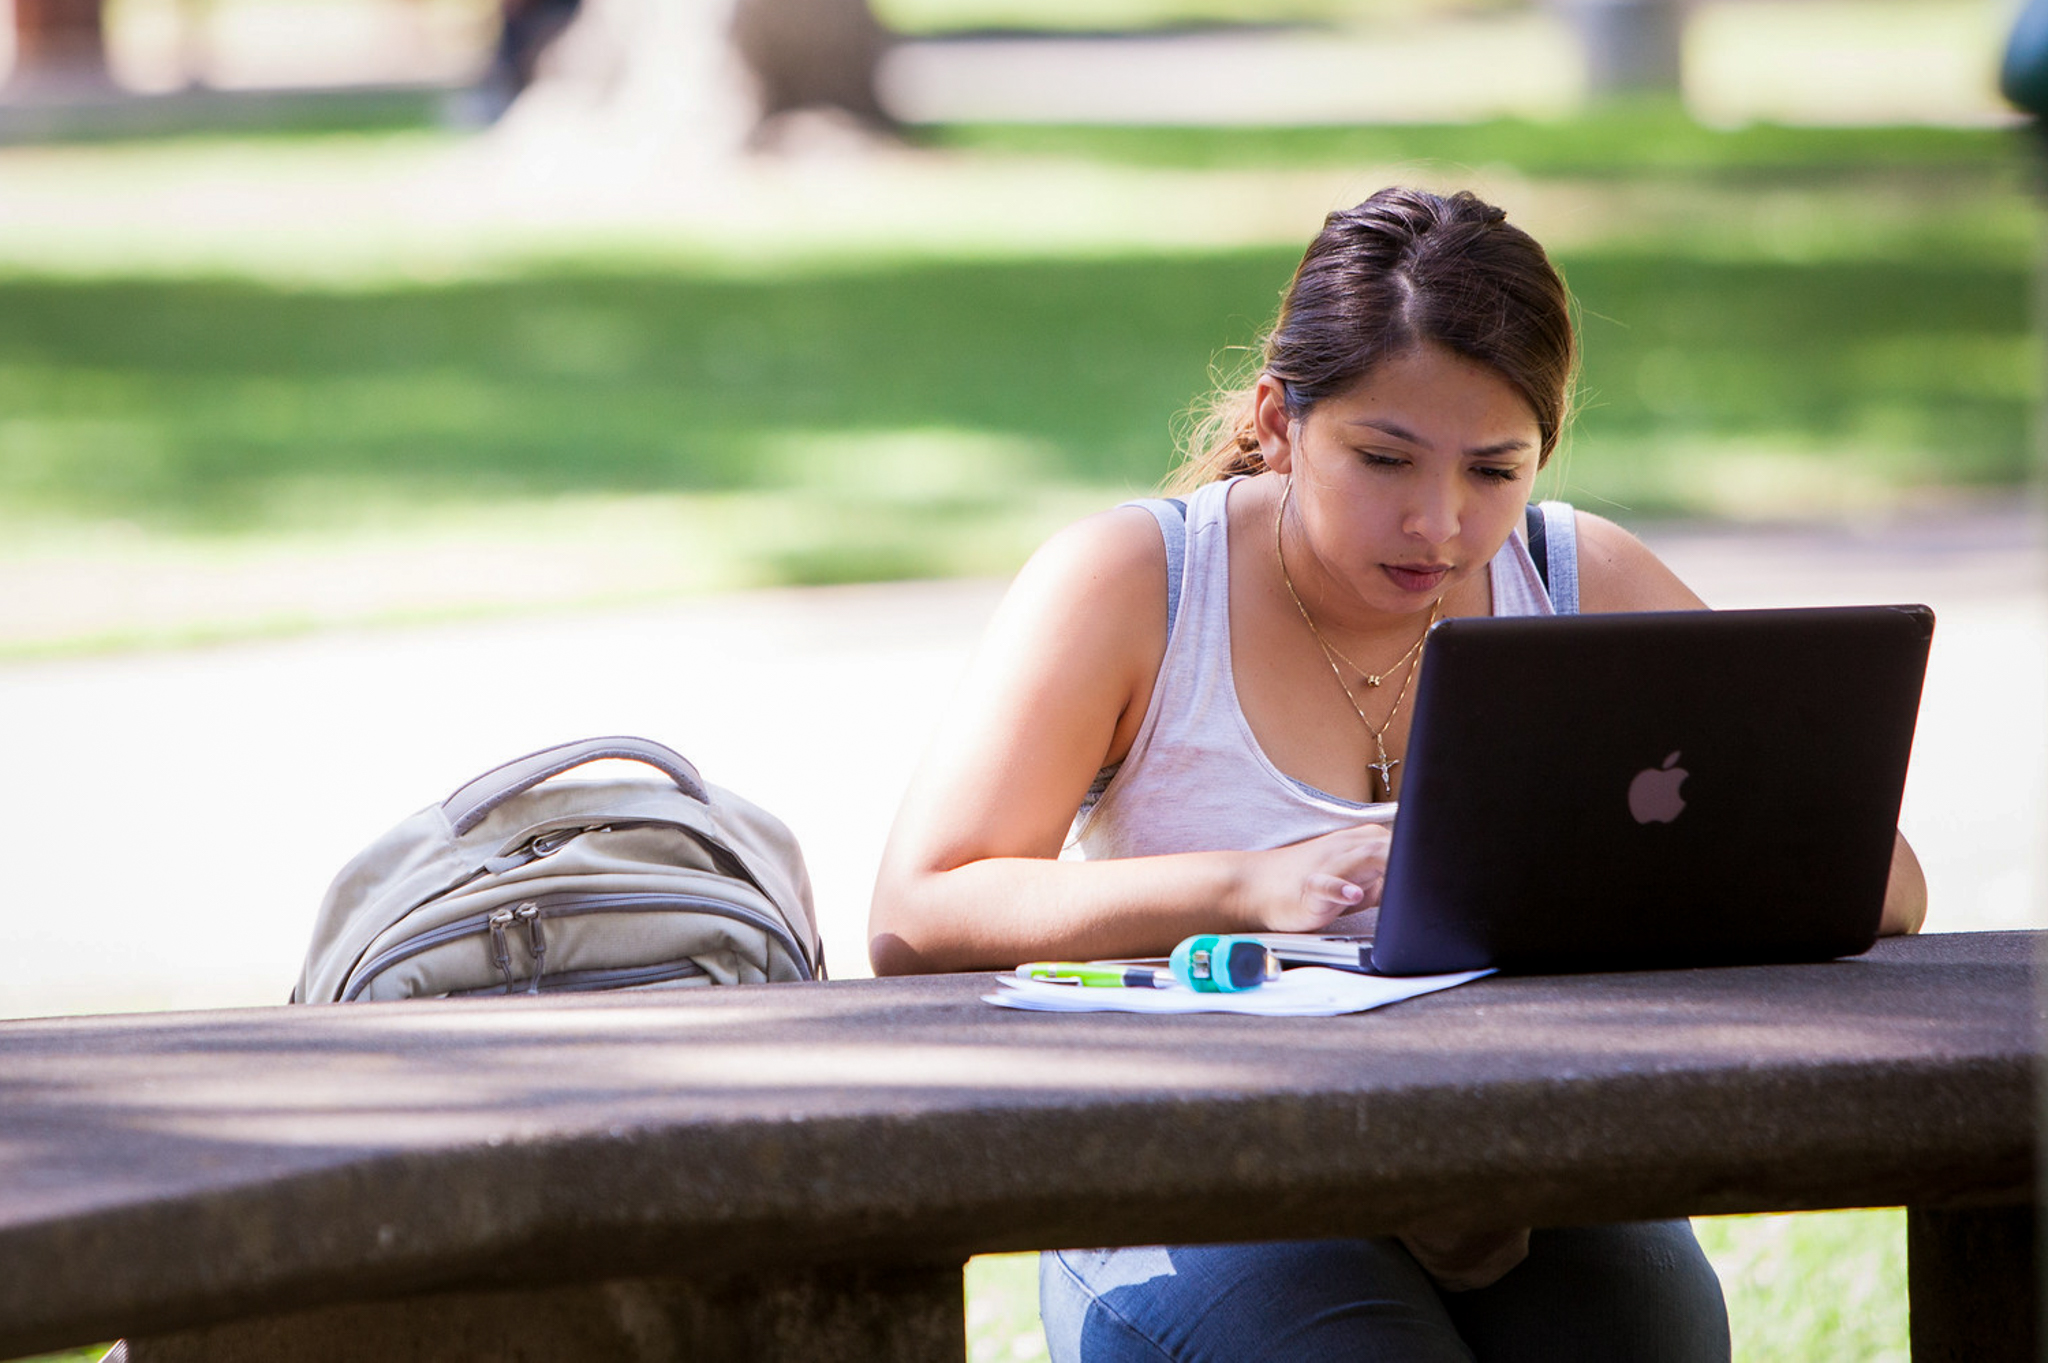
536	941
501	952
546	845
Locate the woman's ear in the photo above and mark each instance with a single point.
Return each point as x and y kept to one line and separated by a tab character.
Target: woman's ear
1272	425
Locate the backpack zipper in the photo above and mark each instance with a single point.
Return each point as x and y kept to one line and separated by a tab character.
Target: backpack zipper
500	952
497	921
588	981
536	943
723	859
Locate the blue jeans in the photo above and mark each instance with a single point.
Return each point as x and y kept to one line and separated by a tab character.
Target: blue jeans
1641	1293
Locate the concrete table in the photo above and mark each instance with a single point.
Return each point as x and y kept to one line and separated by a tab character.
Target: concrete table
799	1171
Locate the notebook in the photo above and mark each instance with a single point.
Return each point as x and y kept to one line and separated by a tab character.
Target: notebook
1651	790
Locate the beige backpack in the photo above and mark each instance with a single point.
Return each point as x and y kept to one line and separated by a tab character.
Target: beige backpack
522	884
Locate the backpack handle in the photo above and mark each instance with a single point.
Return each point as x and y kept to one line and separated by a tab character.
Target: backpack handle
467	807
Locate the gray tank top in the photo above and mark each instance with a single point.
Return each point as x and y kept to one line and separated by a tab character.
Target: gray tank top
1195	778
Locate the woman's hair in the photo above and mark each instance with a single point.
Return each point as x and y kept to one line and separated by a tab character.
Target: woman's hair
1403	268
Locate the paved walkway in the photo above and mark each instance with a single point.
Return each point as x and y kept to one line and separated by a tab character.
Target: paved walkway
174	817
1913	63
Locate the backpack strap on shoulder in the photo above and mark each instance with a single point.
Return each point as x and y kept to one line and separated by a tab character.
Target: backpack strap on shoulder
1554	545
1539	549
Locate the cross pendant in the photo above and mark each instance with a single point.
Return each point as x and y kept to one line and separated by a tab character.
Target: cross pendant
1384	769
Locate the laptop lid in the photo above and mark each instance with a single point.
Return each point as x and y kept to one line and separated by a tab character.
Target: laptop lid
1661	789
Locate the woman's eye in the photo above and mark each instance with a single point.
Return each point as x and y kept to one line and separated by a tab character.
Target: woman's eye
1496	474
1380	461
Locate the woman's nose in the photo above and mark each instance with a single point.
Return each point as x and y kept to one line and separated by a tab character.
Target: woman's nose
1433	516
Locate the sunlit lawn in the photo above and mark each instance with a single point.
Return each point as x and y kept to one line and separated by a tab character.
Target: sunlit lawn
1777	323
209	405
1806	289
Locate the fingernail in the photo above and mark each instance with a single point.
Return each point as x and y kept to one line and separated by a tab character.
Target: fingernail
1351	894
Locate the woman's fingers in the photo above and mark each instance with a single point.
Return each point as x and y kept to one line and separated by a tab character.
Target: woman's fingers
1324	878
1333	890
1358	855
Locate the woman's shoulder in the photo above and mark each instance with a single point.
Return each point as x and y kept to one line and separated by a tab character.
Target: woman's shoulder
1095	591
1618	572
1078	639
1116	552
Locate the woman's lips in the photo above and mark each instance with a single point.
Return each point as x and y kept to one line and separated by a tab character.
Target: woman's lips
1416	577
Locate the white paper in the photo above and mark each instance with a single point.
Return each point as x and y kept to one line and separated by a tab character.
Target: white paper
1308	991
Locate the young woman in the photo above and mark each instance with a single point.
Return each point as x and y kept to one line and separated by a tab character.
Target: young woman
1176	723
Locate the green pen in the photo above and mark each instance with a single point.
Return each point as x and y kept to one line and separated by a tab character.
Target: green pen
1097	976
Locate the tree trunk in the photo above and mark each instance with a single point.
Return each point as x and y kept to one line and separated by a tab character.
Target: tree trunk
692	80
59	48
807	54
1630	45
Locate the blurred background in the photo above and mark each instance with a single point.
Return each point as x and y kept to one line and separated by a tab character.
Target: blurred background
304	299
389	387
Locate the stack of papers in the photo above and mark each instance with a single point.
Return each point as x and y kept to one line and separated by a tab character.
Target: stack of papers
1311	991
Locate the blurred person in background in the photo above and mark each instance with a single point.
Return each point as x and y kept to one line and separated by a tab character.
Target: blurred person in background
526	28
2023	74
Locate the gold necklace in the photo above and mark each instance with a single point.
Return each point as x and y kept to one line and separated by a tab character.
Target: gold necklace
1383	769
1331	653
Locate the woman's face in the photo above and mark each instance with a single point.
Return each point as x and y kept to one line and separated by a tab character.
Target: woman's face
1406	484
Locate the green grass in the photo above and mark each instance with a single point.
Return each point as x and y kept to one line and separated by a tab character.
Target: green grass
1816	1286
1002	1309
1777	322
1720	385
1800	1288
243	115
218	405
210	406
1621	141
932	17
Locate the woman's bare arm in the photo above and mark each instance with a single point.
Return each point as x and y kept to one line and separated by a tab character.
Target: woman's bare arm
1905	894
970	877
1617	572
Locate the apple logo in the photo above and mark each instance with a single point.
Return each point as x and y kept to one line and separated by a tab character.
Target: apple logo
1653	796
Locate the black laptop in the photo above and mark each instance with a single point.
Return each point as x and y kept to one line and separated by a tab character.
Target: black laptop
1647	790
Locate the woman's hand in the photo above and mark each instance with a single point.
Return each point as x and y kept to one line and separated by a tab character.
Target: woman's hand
1303	886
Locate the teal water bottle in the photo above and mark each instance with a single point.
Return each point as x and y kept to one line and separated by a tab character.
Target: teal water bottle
1212	963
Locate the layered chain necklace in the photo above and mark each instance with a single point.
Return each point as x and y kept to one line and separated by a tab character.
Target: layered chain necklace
1383	768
